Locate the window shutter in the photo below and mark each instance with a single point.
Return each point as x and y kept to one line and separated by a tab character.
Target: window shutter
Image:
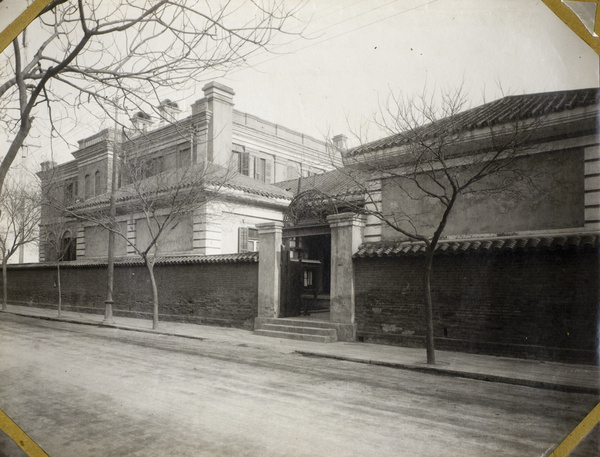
256	168
268	171
245	163
243	239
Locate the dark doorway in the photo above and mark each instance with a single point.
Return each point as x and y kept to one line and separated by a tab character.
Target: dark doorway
306	275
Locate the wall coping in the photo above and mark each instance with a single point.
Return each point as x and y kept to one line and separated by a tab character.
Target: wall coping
530	243
245	257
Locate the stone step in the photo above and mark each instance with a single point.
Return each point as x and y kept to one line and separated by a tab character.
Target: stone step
295	336
299	323
300	329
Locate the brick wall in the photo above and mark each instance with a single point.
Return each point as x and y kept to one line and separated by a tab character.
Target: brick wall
541	305
215	294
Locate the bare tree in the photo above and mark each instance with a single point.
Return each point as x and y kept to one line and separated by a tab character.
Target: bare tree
93	52
20	210
156	201
436	154
58	240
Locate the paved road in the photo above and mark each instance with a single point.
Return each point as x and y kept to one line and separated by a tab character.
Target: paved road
90	391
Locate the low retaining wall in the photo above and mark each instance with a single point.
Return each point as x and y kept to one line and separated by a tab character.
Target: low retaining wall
215	293
540	305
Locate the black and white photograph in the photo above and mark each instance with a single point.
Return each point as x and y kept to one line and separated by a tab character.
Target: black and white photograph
299	228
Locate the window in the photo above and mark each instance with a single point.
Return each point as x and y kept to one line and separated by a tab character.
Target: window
87	181
241	159
308	278
247	239
259	169
70	191
50	247
68	247
185	155
97	183
152	167
244	163
262	169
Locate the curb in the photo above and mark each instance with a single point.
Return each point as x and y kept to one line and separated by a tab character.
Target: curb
101	325
439	371
432	370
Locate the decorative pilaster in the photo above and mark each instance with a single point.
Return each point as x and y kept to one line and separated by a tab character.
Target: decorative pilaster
374	203
131	237
592	187
80	246
206	230
42	254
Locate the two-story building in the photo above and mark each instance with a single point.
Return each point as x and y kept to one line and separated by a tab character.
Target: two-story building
255	153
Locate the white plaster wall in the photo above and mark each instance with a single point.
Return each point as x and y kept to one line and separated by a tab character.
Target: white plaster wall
96	242
176	239
236	216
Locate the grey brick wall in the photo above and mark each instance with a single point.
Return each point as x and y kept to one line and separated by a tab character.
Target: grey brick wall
216	294
541	305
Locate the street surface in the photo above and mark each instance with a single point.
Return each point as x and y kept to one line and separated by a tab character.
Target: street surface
81	391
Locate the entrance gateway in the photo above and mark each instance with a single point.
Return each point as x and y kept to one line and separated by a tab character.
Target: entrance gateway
306	270
306	274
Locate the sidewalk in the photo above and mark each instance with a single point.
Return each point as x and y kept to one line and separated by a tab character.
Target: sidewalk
532	373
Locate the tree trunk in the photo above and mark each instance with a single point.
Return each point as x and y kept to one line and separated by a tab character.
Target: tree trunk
429	341
59	287
4	285
150	267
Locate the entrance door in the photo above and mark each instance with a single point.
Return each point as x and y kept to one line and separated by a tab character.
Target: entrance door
305	275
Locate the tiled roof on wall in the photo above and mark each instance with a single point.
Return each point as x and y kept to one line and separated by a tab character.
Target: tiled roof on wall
253	186
510	244
348	181
244	257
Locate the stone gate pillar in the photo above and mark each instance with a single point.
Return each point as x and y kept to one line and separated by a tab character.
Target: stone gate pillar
269	265
346	236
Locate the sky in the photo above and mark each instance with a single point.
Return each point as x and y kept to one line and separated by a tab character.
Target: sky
358	51
367	48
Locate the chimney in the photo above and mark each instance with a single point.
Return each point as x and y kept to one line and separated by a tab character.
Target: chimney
169	111
141	121
340	142
48	165
219	103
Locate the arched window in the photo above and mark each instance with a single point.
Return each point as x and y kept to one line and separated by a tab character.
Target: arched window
97	184
68	247
50	247
87	181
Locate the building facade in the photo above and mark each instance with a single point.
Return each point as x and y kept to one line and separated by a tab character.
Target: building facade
514	273
254	154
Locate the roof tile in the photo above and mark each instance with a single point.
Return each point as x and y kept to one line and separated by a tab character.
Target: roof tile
246	257
510	244
507	109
